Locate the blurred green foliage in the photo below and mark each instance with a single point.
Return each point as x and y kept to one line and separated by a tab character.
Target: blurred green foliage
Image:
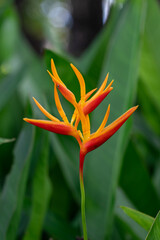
39	183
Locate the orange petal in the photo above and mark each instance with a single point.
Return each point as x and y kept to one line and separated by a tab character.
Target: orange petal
47	114
54	71
67	94
59	106
102	87
74	116
84	121
97	141
90	93
104	122
81	82
77	121
54	79
75	111
64	90
93	103
109	86
59	128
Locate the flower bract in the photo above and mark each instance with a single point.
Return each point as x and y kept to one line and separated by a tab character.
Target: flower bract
87	141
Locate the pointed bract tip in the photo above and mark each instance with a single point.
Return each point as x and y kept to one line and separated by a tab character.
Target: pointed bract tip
134	108
36	102
112	81
107	75
26	119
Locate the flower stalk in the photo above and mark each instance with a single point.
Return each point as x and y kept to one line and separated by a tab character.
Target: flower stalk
84	225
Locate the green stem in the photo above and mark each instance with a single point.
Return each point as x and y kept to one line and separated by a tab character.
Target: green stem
83	208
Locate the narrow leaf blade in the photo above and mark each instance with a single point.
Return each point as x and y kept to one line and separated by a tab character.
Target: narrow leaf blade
154	233
41	187
144	220
10	193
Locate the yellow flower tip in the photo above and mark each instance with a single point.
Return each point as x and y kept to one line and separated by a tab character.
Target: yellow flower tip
103	85
103	122
52	62
107	76
112	81
90	93
77	72
109	86
26	119
50	74
133	109
56	80
53	68
59	106
44	111
33	121
72	66
81	81
36	102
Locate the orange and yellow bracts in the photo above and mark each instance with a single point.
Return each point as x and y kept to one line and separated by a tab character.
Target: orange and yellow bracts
87	141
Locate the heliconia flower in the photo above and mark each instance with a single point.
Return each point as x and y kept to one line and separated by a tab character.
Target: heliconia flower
87	141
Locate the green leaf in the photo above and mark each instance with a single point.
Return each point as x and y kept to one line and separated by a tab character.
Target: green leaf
148	107
124	230
68	159
119	56
154	233
8	45
92	60
102	167
4	5
144	220
8	85
41	187
150	67
123	221
13	186
140	186
5	140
